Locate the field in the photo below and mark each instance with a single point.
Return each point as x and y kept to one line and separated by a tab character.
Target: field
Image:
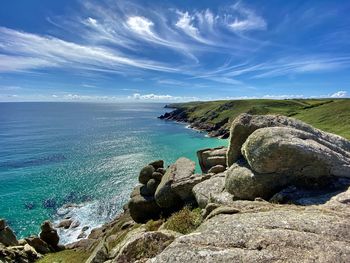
331	115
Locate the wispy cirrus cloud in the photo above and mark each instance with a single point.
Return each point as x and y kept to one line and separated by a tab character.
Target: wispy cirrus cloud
127	38
250	20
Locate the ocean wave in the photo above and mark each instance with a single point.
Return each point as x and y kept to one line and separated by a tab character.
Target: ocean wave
88	215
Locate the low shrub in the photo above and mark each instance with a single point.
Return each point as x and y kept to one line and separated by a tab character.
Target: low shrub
184	221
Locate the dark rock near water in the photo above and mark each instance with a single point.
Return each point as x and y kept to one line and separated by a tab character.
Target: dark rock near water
50	203
142	208
49	235
146	174
38	244
157	164
7	237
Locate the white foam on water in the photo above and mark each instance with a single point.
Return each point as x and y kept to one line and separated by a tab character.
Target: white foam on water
92	214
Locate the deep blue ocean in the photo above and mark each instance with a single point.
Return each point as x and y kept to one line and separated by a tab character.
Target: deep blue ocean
52	154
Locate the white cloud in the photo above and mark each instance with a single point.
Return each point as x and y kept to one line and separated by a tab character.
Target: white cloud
157	97
141	25
251	20
29	51
340	94
185	23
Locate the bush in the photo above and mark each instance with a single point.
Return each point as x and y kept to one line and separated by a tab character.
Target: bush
152	225
184	221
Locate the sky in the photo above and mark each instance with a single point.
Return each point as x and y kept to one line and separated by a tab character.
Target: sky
158	50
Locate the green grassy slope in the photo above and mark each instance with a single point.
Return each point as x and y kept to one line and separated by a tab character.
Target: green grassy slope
332	115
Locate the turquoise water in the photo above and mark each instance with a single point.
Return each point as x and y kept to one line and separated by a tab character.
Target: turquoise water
53	154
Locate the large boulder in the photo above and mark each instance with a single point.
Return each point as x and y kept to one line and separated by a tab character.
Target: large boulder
211	157
246	124
146	174
246	184
7	237
289	151
142	246
38	244
181	170
204	190
143	208
263	232
49	235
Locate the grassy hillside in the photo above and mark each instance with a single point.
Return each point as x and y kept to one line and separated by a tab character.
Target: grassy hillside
332	115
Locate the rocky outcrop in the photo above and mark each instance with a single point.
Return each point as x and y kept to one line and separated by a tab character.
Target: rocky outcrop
212	157
204	191
288	153
7	237
246	124
166	194
22	251
281	149
142	205
49	235
262	232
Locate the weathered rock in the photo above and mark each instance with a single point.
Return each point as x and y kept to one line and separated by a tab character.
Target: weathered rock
222	210
7	237
157	176
157	164
146	174
208	209
222	198
152	185
203	191
143	208
183	188
165	196
246	124
2	224
267	233
49	235
244	183
217	169
99	254
38	244
66	223
142	246
211	157
161	170
294	152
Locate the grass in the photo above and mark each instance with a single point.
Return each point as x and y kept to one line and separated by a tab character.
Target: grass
331	115
153	225
65	256
184	221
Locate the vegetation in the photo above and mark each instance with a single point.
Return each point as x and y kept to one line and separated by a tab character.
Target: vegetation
153	225
184	221
331	115
65	256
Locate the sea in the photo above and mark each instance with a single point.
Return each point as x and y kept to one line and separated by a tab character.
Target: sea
81	160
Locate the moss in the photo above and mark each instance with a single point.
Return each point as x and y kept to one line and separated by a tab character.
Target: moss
120	236
65	256
184	221
153	225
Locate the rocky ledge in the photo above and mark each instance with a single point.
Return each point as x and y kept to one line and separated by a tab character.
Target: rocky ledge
279	193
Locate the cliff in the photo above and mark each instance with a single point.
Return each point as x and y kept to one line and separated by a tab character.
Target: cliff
215	117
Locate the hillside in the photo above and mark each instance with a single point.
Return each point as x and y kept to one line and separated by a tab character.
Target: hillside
331	115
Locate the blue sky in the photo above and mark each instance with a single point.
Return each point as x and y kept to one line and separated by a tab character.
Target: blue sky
159	50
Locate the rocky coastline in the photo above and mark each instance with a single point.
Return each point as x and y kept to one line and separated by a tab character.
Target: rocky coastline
278	193
179	114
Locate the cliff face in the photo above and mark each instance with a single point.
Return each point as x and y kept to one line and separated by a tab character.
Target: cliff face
215	117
